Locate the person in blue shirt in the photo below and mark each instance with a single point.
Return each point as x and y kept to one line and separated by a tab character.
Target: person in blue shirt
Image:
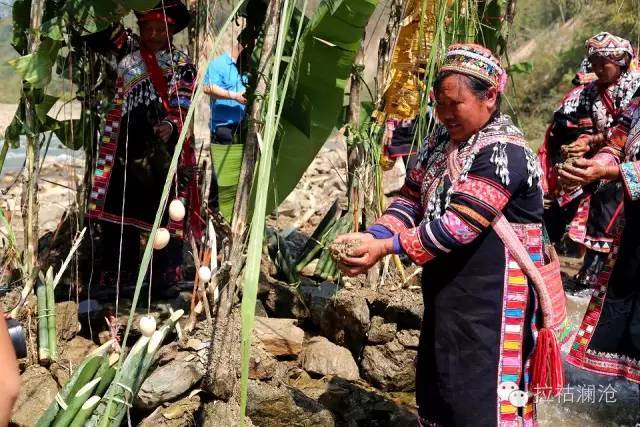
225	82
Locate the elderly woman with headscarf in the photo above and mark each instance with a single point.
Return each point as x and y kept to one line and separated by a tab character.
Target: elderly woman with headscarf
608	341
479	326
565	127
601	103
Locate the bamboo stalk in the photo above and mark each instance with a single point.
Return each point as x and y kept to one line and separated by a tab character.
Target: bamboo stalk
30	185
51	317
256	235
43	312
250	157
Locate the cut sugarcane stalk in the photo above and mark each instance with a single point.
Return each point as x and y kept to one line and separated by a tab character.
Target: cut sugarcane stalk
64	418
312	243
43	333
106	372
121	394
152	348
85	411
51	316
82	375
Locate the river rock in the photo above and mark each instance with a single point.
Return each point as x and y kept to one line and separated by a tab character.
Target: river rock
403	307
345	320
283	300
76	350
280	337
274	406
317	298
360	405
168	382
177	414
381	332
222	414
262	365
390	367
322	357
409	337
37	390
67	325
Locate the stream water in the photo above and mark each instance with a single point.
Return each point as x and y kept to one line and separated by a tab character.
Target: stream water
57	153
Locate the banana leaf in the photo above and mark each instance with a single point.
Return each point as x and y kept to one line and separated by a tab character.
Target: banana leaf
35	68
314	103
227	161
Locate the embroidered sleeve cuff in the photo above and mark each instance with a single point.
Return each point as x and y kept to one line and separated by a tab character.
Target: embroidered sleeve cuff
391	223
397	247
630	172
409	241
379	231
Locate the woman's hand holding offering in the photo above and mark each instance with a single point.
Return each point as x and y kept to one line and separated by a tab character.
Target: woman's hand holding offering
356	253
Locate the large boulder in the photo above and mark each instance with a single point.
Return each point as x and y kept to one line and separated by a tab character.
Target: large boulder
322	357
37	390
169	381
280	337
345	320
390	367
274	406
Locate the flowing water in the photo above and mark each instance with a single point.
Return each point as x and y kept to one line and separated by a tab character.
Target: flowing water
590	399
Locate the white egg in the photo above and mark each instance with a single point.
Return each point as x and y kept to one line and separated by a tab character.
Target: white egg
176	210
162	239
147	325
204	273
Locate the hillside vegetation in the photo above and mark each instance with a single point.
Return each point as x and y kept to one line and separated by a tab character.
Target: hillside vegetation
550	34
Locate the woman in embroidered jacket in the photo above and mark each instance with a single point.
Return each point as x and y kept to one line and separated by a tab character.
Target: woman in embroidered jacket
479	324
564	129
601	103
154	87
608	341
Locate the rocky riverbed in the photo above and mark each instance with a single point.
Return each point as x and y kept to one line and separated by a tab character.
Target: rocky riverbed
323	353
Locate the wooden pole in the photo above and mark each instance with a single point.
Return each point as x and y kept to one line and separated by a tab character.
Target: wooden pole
30	183
251	153
221	377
